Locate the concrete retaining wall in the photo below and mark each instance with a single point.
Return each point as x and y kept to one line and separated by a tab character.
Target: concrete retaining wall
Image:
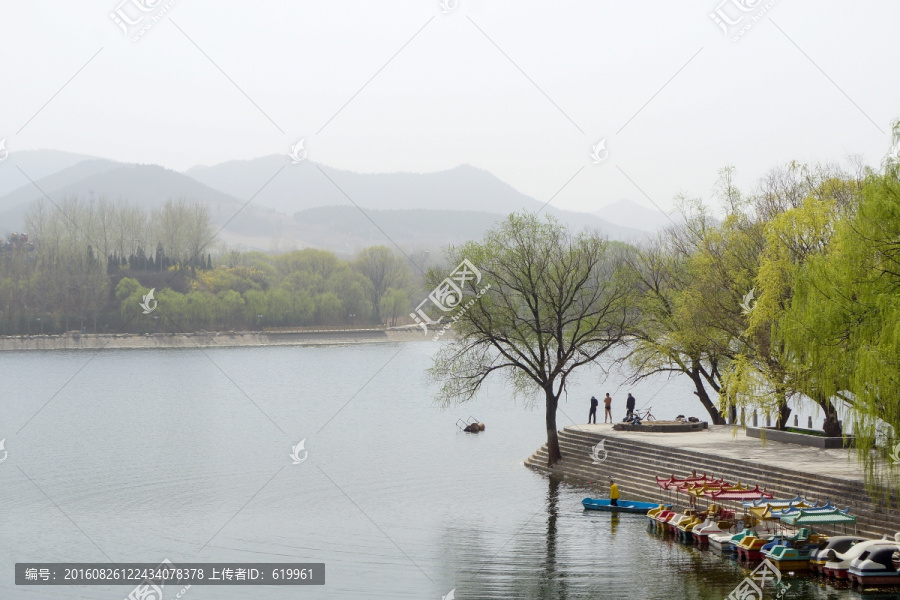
789	437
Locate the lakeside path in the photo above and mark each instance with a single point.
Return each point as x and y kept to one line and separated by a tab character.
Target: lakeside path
222	339
722	441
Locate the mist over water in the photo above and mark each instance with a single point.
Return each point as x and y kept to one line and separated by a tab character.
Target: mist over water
144	455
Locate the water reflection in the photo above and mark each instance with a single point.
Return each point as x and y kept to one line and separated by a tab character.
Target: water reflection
562	552
553	584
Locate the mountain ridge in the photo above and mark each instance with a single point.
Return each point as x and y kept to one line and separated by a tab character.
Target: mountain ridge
260	198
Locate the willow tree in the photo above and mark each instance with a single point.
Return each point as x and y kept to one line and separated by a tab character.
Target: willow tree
667	338
844	321
871	256
797	218
757	250
720	270
546	303
797	242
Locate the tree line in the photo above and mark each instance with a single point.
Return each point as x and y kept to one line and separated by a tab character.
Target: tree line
301	288
84	265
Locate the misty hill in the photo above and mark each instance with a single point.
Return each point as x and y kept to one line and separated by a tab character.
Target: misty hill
304	186
300	206
37	164
146	185
55	183
627	213
346	228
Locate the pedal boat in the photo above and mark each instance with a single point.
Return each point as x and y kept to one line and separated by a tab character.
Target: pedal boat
702	532
792	553
838	564
750	547
839	543
876	567
724	541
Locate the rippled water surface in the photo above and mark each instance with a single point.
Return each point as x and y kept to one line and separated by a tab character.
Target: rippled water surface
141	455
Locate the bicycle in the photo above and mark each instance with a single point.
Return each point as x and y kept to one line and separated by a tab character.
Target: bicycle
645	415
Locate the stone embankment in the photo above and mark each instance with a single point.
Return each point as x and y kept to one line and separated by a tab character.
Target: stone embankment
91	341
634	458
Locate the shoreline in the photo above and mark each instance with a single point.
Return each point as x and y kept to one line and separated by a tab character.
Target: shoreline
210	339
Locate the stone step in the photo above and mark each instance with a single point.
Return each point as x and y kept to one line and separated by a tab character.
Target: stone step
687	454
636	487
774	478
783	485
635	465
667	455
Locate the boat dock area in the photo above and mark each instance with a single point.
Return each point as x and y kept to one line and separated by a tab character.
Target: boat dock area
634	459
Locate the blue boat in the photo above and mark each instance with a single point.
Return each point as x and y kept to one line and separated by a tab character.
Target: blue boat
629	506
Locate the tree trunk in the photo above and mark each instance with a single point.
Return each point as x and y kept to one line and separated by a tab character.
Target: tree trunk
553	453
832	426
705	400
784	413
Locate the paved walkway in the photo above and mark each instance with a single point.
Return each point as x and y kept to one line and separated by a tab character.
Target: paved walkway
725	441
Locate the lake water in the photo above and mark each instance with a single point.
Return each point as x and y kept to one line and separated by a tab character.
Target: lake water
142	455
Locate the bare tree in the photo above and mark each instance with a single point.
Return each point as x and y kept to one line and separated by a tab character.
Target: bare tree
382	270
555	302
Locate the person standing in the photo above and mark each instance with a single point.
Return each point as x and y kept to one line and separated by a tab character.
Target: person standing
629	406
607	408
593	413
613	493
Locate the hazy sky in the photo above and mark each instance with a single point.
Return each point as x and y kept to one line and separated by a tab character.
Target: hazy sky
523	89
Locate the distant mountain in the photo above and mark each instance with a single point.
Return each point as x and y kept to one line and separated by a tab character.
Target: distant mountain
60	182
298	205
346	228
304	186
37	164
145	185
627	213
298	187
